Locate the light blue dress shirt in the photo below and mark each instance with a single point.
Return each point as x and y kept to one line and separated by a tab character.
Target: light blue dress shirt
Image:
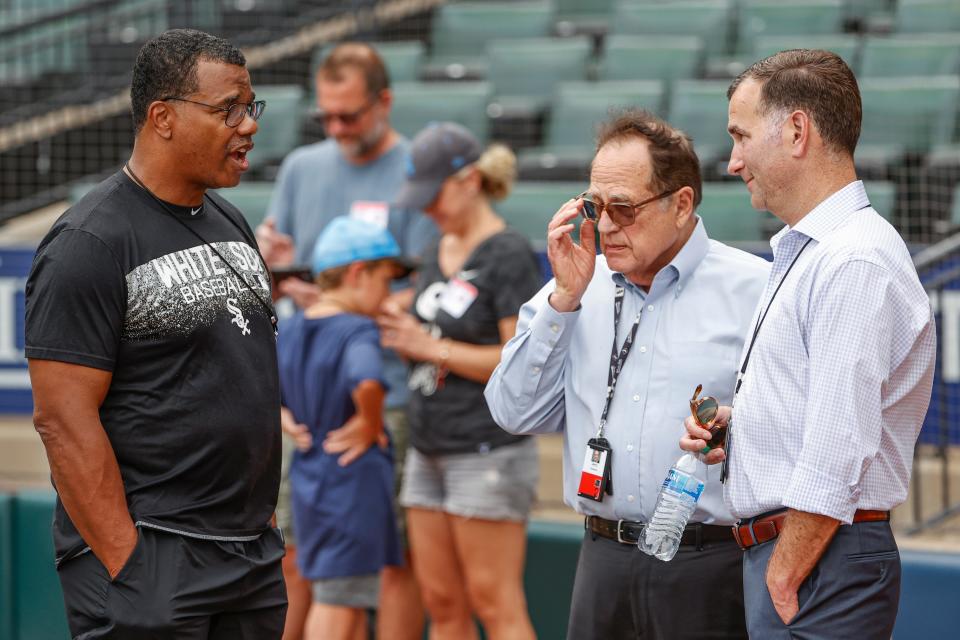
553	374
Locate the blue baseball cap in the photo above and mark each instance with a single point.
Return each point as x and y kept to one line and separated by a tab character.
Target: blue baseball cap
436	153
346	240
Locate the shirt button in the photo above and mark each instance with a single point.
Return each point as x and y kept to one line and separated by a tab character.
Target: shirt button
650	307
636	398
555	327
643	349
536	369
630	498
629	447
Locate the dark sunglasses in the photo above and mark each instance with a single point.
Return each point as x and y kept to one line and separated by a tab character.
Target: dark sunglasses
347	119
235	112
704	411
622	214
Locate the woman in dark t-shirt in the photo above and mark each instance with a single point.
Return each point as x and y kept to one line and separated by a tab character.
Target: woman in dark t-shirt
468	485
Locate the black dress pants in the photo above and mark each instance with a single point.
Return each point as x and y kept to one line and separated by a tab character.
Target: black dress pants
621	593
175	587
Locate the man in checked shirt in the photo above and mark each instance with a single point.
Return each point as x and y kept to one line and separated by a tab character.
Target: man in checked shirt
837	369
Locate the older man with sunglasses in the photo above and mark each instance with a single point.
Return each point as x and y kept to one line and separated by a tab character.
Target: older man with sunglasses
608	353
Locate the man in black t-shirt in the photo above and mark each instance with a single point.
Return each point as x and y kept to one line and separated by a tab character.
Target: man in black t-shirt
151	345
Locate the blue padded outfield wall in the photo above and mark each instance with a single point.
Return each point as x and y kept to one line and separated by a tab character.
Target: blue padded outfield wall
14	382
31	607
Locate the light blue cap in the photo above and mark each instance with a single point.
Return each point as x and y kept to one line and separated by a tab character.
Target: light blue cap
347	240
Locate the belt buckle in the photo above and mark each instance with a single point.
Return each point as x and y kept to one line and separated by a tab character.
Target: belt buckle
619	530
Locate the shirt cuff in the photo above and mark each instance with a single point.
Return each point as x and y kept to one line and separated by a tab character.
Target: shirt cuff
813	491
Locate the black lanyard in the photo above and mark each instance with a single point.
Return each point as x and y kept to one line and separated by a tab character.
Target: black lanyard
756	330
266	306
617	357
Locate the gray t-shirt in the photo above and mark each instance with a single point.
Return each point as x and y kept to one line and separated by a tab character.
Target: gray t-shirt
316	184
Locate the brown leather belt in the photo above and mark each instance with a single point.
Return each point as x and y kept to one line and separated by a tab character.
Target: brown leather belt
628	532
767	526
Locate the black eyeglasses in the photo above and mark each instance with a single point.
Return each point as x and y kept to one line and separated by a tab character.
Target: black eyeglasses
348	119
235	112
621	214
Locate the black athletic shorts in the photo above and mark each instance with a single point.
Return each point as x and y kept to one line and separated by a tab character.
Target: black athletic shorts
178	588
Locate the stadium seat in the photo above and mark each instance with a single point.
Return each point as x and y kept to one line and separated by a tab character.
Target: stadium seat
417	103
845	45
918	16
709	19
461	31
403	59
955	211
578	108
279	131
910	113
664	58
580	12
699	108
530	206
914	55
882	195
252	198
524	72
727	214
773	18
37	598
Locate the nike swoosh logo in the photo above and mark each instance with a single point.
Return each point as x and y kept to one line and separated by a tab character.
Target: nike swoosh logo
194	212
468	275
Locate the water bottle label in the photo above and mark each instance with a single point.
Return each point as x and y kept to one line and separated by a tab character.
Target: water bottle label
681	483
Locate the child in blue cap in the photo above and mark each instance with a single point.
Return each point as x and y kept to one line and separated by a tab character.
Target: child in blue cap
332	388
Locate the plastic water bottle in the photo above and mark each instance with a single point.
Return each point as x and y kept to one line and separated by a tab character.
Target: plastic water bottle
676	503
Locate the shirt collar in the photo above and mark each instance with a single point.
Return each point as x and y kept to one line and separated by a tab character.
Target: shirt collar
827	215
679	269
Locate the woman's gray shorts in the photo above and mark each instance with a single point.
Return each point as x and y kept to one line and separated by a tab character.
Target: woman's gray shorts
500	484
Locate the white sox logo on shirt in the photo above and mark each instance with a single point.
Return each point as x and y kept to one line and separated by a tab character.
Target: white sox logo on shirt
238	318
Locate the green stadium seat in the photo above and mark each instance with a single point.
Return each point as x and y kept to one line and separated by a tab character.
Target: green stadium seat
580	12
524	72
728	216
417	103
918	16
403	59
530	206
460	32
252	198
279	131
708	19
6	566
883	197
847	46
955	212
37	598
772	18
578	108
910	113
664	58
699	108
914	55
